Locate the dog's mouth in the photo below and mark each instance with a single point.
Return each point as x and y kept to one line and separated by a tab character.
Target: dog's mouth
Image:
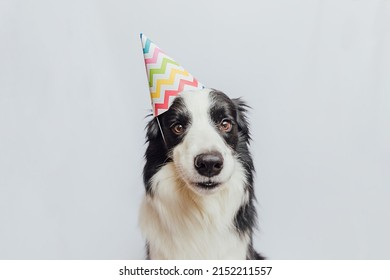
207	185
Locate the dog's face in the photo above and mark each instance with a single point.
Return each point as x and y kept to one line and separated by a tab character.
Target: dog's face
202	131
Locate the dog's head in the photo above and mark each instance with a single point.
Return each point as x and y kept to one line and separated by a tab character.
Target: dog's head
205	134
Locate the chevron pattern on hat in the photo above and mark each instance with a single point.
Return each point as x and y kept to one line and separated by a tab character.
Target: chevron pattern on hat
166	77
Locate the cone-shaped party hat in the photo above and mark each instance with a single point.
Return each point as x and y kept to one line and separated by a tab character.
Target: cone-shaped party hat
166	77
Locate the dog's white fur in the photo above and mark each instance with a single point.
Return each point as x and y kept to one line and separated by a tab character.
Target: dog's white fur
182	221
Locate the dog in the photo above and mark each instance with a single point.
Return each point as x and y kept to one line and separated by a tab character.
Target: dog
198	175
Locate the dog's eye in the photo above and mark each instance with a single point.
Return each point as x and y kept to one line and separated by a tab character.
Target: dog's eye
225	125
178	129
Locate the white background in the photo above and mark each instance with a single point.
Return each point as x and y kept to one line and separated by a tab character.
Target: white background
74	94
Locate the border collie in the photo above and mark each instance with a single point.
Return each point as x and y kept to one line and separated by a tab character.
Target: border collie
198	176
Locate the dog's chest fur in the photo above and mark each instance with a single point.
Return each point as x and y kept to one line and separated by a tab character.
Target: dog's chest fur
181	225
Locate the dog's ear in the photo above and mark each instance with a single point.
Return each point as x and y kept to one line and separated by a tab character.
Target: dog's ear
241	118
152	130
155	154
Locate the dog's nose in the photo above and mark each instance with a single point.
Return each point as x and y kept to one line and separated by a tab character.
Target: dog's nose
209	164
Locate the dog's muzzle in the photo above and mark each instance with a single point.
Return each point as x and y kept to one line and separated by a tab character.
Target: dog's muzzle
209	164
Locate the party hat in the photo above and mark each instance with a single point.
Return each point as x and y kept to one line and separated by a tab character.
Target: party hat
166	77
